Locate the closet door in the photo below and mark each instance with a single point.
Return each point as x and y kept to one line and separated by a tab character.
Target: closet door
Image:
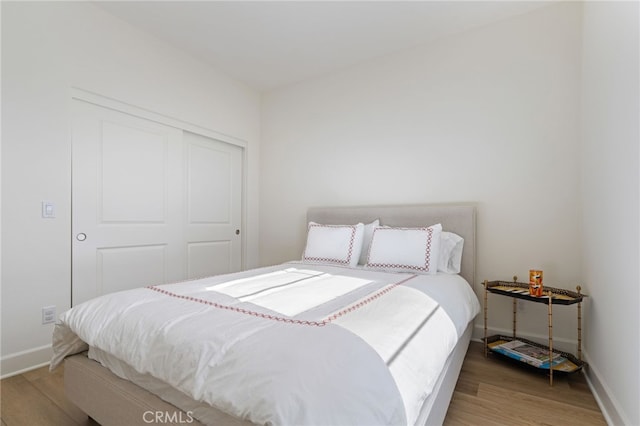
214	202
140	214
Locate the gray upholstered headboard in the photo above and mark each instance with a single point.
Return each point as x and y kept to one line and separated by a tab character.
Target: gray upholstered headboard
458	218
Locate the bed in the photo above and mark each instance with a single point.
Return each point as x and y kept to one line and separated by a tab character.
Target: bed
307	321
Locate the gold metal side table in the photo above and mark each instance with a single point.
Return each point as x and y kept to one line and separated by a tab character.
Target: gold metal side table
551	296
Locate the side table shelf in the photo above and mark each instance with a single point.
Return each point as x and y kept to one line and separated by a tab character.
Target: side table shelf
551	296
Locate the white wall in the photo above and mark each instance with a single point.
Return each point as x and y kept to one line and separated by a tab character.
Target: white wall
488	116
47	48
610	192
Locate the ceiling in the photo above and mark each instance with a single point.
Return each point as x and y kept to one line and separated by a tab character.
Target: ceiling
270	44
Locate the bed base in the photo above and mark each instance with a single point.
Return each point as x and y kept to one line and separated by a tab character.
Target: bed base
110	400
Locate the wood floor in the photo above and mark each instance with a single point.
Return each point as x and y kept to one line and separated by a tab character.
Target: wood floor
489	392
36	398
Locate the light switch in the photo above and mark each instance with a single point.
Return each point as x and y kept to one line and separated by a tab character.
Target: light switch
48	210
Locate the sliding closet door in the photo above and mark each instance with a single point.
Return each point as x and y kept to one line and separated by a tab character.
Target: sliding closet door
151	203
214	202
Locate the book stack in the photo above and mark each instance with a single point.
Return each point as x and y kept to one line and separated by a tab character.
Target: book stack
532	355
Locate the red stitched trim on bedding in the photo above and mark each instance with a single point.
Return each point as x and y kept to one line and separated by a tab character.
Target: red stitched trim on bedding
427	254
328	259
287	320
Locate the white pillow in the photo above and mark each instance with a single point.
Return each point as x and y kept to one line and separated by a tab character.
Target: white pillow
337	244
405	249
366	242
450	253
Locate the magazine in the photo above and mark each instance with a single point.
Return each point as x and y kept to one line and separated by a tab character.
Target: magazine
533	355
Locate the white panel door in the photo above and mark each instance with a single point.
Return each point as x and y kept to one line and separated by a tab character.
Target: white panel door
127	202
151	203
214	202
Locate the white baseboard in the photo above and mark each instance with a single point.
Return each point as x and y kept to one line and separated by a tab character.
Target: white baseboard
21	362
604	397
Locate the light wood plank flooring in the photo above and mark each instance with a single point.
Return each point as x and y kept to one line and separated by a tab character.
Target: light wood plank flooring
489	392
36	398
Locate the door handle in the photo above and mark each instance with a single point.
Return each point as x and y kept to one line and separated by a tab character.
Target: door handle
81	236
237	232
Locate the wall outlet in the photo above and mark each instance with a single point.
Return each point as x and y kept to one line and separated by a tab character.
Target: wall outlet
48	314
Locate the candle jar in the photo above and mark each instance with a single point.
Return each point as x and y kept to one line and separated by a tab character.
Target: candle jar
535	282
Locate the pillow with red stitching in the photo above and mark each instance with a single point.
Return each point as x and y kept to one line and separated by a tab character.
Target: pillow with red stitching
405	249
333	244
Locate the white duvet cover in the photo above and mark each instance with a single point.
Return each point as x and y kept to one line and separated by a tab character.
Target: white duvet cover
290	344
